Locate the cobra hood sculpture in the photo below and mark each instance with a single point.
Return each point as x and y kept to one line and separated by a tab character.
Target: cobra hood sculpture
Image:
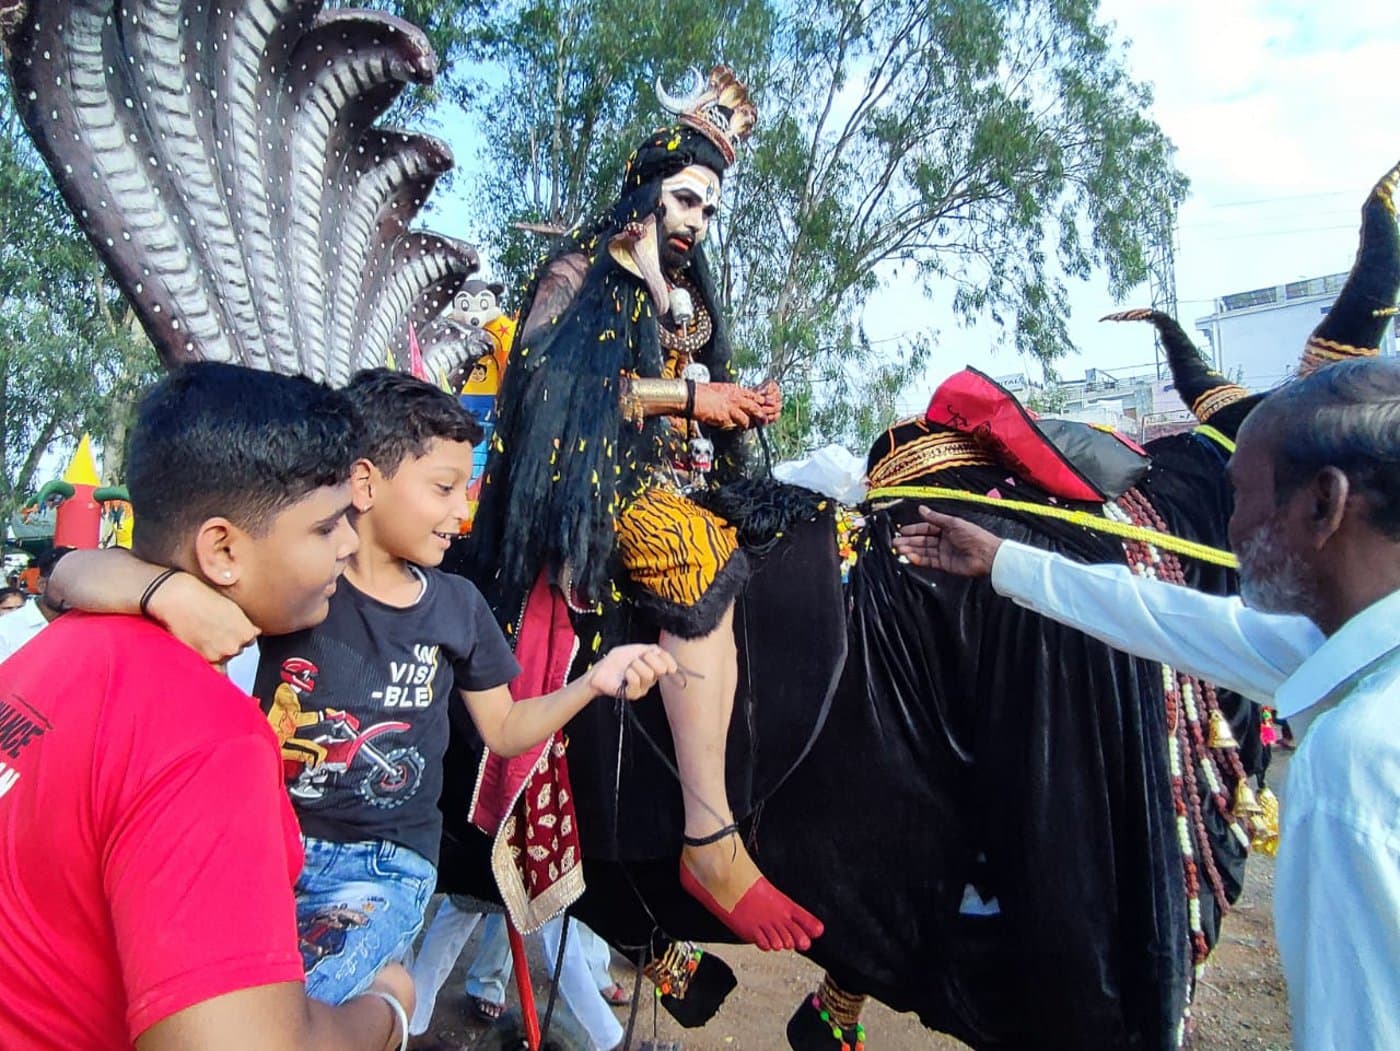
224	160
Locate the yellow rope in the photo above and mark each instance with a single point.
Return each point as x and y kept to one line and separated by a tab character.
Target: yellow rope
1207	431
1175	544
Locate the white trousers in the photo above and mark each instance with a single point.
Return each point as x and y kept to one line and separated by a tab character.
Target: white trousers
583	977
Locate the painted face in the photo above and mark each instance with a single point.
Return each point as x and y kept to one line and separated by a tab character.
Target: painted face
288	574
689	200
1275	577
420	510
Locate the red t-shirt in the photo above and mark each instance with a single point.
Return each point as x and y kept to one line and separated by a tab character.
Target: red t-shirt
147	849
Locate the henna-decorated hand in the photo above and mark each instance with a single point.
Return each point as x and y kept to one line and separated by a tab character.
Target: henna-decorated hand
771	395
727	405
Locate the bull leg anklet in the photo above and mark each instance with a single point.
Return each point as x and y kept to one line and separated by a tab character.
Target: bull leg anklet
830	1013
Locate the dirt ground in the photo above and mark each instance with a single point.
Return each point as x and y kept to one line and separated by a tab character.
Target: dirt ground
1240	1005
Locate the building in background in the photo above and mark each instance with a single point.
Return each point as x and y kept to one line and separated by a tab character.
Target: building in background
1256	337
1133	400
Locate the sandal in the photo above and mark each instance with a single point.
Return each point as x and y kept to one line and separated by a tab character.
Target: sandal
615	995
484	1010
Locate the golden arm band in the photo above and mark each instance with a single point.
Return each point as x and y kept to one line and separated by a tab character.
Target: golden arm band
653	397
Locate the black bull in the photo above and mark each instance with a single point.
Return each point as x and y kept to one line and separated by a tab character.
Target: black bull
965	749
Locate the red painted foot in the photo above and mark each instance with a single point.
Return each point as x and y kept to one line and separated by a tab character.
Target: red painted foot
764	916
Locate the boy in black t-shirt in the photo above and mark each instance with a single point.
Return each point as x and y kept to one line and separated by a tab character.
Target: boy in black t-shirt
359	702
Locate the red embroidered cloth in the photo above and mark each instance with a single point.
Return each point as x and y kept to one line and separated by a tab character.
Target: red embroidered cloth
526	804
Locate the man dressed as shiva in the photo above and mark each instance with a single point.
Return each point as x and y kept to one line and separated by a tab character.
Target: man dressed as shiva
621	398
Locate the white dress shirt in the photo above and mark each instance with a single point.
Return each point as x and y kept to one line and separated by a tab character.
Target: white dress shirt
1219	639
1337	884
19	627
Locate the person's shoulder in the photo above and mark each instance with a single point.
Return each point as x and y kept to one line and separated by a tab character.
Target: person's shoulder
1365	713
1349	758
133	665
127	639
453	590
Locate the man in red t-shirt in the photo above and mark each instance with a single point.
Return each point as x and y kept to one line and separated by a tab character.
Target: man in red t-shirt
147	849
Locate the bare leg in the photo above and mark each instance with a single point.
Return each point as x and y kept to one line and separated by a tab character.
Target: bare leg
699	711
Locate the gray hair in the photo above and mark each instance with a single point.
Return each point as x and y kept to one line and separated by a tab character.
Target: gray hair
1347	416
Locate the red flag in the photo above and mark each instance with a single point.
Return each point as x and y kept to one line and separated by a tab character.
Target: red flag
415	356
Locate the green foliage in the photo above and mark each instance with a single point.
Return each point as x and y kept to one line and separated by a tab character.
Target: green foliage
71	357
449	25
561	93
984	150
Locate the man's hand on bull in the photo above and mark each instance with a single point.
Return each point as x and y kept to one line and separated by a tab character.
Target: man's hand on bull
728	405
951	544
631	671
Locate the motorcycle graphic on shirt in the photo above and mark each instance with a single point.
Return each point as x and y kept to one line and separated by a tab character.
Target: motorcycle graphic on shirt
337	746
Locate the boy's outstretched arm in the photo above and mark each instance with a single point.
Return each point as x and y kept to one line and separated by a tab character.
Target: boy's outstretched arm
113	580
510	727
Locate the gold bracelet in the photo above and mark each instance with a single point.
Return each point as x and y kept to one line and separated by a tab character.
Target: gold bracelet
652	397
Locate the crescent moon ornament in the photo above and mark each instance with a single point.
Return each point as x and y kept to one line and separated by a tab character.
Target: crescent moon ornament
688	99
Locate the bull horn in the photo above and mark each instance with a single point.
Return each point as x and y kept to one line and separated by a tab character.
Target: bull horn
1355	325
1203	390
688	99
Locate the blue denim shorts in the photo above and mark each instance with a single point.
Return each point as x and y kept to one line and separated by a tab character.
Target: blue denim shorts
359	906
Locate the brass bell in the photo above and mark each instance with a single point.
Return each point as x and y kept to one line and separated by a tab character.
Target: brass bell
1246	804
1266	828
1220	735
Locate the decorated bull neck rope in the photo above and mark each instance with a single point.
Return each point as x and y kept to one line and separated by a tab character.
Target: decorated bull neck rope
1244	808
1196	853
1127	530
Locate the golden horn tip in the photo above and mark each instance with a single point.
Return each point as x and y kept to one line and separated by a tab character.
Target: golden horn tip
1135	314
1386	187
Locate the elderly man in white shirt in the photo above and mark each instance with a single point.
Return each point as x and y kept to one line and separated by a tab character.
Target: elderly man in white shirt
1317	528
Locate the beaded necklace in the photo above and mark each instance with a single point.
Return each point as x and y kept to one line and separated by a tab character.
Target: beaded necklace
1193	745
696	332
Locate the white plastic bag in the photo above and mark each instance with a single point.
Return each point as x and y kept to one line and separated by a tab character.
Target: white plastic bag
831	471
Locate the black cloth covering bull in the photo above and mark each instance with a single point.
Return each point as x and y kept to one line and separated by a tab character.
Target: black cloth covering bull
975	800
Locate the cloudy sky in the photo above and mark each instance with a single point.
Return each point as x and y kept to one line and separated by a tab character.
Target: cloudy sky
1284	114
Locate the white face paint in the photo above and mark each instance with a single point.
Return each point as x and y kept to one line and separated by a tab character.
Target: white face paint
701	182
690	199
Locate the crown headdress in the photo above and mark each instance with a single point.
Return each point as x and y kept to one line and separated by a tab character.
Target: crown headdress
719	109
